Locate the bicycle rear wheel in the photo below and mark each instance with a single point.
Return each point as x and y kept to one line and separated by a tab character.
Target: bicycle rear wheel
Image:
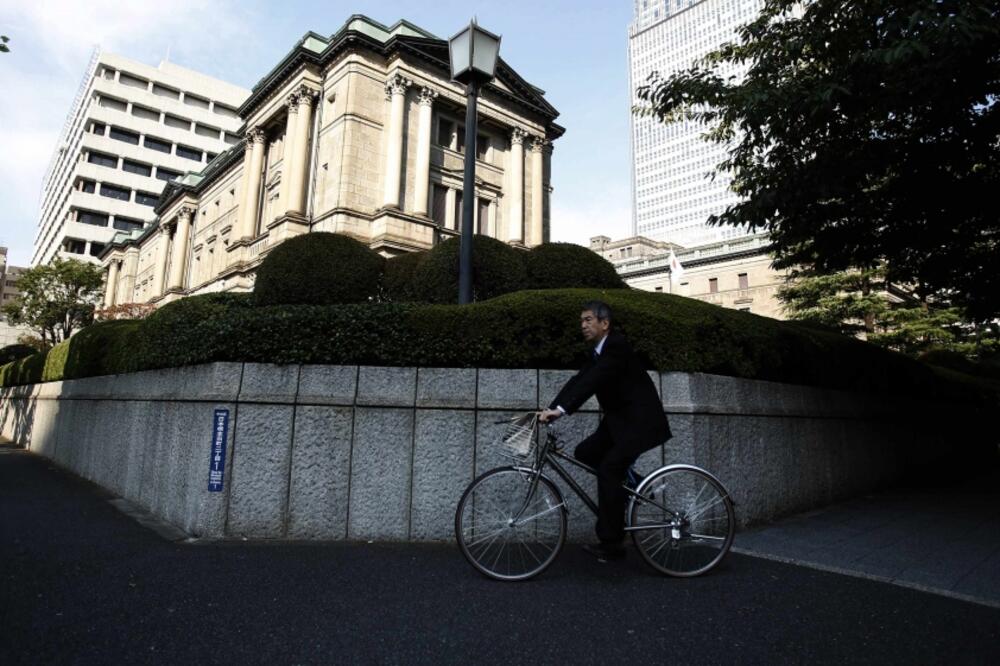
494	542
684	523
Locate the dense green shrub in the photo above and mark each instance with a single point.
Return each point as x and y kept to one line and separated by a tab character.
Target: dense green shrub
27	370
497	269
14	352
398	277
318	269
569	266
528	329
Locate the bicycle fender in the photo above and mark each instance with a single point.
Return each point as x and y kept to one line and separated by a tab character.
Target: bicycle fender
684	466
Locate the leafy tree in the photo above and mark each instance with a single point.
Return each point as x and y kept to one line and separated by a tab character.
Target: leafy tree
859	303
863	133
3	44
56	299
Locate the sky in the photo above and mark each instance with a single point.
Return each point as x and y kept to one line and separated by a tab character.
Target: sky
575	50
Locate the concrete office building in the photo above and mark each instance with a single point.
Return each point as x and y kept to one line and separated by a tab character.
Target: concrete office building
672	197
131	129
362	133
9	276
733	273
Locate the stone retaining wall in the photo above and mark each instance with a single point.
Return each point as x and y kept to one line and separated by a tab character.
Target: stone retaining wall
347	452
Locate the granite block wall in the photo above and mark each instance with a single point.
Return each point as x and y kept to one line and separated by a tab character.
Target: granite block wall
372	453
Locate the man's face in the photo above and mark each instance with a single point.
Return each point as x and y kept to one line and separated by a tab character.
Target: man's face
593	329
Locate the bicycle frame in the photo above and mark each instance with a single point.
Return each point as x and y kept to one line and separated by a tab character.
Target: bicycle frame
549	457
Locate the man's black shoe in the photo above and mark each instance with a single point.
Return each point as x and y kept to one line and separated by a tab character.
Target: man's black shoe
605	551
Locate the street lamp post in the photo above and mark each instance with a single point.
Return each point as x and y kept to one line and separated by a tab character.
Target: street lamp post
473	53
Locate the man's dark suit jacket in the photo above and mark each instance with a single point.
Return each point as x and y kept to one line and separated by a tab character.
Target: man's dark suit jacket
633	413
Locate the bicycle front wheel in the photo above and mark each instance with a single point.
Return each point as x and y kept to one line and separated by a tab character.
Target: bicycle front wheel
497	537
683	524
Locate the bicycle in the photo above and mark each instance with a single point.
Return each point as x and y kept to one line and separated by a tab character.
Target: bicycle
511	521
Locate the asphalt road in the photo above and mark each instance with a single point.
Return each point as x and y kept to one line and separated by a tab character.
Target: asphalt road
83	583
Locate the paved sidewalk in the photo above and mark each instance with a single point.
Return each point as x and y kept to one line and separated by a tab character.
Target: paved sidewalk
944	539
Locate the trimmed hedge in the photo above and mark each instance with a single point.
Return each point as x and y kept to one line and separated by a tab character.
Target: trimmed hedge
529	329
318	269
14	352
497	269
570	266
398	278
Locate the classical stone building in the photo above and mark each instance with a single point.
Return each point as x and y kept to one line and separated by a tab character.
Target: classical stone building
360	133
9	275
735	274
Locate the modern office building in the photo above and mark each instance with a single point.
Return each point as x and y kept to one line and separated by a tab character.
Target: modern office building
362	133
672	193
131	129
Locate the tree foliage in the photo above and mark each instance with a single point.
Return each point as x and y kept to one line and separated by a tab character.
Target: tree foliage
862	134
865	304
56	299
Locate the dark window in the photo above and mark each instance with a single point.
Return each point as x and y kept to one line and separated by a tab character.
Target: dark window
96	248
119	134
132	81
127	224
188	153
439	205
210	156
145	114
713	285
458	210
482	145
96	219
445	130
744	281
174	121
98	128
224	110
164	91
194	100
137	167
146	199
206	130
460	139
112	192
659	288
87	186
74	246
166	174
484	215
156	144
103	160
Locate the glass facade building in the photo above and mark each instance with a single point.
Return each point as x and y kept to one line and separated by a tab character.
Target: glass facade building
673	193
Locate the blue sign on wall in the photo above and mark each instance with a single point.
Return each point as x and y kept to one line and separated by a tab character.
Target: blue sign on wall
217	464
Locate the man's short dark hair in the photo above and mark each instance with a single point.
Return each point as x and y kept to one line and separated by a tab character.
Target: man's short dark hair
600	309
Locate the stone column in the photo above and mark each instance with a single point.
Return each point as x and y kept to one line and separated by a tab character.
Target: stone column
180	247
422	187
129	267
395	92
537	191
292	108
515	222
298	175
251	180
111	287
449	209
160	268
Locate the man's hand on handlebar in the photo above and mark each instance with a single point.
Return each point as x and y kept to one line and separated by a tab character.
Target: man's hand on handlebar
549	415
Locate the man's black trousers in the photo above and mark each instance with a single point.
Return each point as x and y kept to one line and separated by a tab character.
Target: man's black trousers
611	462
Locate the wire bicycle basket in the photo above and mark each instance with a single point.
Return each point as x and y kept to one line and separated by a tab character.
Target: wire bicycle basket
518	438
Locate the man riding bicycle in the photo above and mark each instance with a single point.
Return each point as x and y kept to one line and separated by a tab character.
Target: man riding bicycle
633	420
